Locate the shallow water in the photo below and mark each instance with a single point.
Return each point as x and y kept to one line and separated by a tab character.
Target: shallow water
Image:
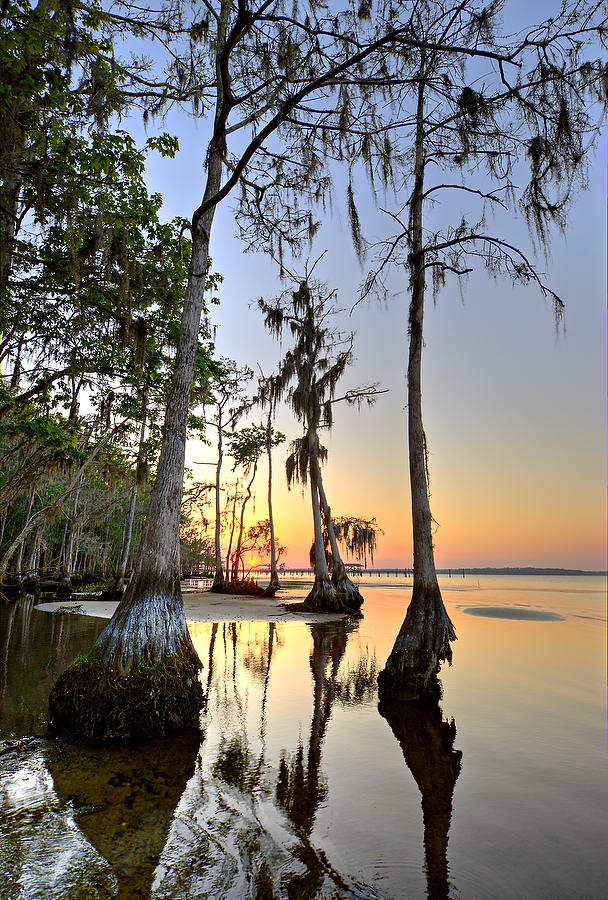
303	786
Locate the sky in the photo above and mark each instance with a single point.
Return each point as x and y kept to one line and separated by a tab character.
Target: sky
514	411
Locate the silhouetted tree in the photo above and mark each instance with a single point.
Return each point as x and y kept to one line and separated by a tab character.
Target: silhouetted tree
308	376
534	104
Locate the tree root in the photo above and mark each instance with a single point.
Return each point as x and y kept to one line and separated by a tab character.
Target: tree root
245	587
326	597
151	701
323	597
349	594
422	644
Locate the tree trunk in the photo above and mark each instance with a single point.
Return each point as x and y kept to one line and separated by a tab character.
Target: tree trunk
230	539
239	540
117	589
126	541
68	562
141	677
19	565
323	597
274	575
62	546
9	197
106	546
424	638
347	591
16	376
218	580
35	553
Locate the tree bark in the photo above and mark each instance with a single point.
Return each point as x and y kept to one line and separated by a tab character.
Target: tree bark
218	580
16	376
231	538
126	540
274	575
9	199
68	561
33	561
141	677
106	546
118	587
19	564
62	546
424	639
323	597
347	591
239	540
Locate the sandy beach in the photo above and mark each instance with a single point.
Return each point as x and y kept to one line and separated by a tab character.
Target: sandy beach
205	606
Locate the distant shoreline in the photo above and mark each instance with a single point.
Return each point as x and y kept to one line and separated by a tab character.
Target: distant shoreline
455	571
516	570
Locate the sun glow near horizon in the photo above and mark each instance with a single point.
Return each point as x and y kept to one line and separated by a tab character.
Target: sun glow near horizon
515	414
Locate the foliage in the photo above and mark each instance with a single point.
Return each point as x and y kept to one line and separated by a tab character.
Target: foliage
247	445
308	376
506	126
358	536
258	540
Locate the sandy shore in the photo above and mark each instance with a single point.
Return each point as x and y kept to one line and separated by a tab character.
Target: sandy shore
208	607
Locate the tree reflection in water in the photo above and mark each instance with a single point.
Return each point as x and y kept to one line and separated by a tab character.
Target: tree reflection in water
34	648
245	827
427	742
239	824
301	787
124	799
75	821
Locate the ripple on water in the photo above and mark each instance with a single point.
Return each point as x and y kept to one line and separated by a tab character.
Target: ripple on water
42	852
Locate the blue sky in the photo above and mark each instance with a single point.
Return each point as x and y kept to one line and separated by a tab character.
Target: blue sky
515	412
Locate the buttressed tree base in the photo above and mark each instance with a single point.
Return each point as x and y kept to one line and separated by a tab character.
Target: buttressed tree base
140	680
151	701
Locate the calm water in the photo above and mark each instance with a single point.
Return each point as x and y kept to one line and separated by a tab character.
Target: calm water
302	786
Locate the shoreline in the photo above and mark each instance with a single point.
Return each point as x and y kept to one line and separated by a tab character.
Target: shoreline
205	606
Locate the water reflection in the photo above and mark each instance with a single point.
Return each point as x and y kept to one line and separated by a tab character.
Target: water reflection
245	827
300	787
75	821
123	800
427	742
35	648
342	806
42	852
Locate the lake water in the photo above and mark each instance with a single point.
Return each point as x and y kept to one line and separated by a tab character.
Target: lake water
302	786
